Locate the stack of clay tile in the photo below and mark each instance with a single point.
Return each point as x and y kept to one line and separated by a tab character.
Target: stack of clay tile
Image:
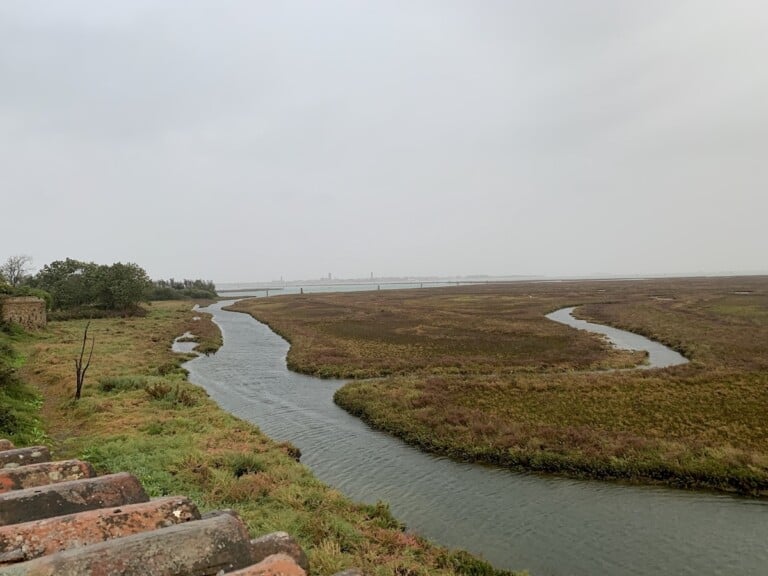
60	518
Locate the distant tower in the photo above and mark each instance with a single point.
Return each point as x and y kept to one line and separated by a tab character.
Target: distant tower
329	276
371	275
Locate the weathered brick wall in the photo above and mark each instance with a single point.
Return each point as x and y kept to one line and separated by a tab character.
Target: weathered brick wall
27	311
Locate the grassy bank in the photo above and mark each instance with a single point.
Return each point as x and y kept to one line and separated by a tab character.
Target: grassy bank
19	403
479	374
138	413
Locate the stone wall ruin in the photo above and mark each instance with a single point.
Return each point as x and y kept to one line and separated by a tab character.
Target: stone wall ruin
25	310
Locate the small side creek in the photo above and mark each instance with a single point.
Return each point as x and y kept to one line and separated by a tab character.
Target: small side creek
659	356
550	526
184	344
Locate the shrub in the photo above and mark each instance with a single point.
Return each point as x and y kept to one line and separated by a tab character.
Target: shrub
466	564
7	370
9	423
170	368
241	464
159	390
178	395
122	383
381	516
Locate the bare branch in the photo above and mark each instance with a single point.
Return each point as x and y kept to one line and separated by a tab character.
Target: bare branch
90	355
82	348
79	369
15	269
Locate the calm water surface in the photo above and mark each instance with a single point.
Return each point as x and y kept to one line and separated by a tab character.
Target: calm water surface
659	356
550	526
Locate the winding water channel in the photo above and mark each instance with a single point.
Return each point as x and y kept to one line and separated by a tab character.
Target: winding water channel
659	356
550	526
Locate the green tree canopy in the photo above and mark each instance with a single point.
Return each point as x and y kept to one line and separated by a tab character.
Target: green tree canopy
77	284
121	286
180	289
71	283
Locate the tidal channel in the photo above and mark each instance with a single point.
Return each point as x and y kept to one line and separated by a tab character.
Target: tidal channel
549	526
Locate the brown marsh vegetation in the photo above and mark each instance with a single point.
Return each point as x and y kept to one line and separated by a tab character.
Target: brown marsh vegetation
478	373
138	413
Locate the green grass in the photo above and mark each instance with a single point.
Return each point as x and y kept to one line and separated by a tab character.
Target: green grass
19	403
479	374
139	414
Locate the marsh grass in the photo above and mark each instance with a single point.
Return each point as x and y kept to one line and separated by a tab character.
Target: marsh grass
369	334
479	374
138	413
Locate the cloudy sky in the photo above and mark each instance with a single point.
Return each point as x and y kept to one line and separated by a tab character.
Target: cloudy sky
243	140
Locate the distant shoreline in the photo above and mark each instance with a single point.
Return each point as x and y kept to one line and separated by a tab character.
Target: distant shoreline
227	287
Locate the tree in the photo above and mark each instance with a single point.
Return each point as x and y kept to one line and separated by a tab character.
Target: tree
16	269
71	283
122	286
80	370
79	285
175	290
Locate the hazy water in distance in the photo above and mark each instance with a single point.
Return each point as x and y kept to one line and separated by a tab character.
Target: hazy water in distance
241	291
550	526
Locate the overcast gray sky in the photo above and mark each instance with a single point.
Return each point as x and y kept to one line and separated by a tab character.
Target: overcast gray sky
242	140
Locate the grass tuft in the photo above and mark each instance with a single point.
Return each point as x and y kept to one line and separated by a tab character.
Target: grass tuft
122	383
